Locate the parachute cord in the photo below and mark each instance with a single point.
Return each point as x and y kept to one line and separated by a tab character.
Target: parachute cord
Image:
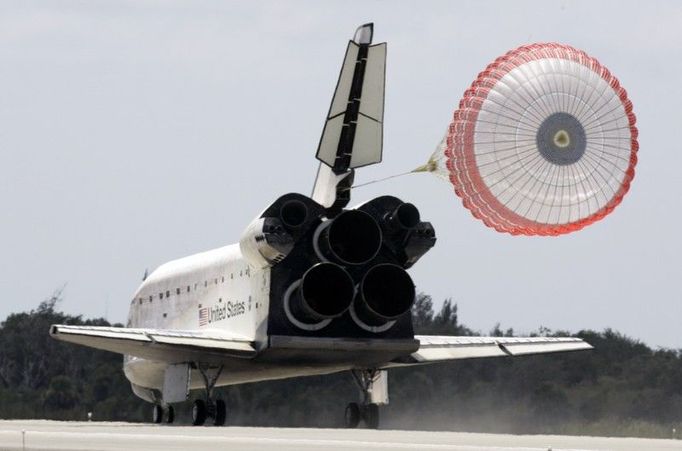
422	168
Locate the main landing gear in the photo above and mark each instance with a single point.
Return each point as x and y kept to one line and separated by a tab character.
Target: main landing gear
161	414
209	407
373	385
202	409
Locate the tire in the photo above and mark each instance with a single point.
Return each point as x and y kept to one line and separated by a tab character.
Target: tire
352	417
372	416
220	413
170	415
198	412
157	414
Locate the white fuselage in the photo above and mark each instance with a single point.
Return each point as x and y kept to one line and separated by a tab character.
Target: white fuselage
216	289
211	290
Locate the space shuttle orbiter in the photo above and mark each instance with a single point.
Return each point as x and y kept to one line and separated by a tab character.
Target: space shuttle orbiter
312	287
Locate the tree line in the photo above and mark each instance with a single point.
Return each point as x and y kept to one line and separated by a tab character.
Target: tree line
622	387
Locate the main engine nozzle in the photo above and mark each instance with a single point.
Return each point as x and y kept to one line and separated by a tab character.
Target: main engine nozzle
351	238
324	292
386	292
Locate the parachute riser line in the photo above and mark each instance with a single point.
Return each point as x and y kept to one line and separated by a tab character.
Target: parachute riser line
422	168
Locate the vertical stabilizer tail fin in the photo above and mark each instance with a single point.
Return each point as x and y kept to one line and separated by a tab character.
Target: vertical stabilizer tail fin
353	131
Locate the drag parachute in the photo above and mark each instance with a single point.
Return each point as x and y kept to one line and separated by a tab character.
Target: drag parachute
543	143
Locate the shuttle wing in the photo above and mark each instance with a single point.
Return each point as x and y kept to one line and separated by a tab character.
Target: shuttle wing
434	348
157	344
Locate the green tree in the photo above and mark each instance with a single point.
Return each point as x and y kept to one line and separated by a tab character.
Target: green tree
61	394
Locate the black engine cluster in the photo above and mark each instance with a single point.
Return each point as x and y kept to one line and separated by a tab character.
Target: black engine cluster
341	276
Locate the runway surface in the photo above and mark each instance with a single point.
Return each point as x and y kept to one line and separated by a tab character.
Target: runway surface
57	435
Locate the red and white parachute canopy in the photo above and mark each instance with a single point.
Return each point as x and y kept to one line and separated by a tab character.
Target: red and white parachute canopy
543	143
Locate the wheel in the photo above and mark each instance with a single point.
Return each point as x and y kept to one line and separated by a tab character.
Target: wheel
352	417
170	415
372	416
198	412
157	414
220	413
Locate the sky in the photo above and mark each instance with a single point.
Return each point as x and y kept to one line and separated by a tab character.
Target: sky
135	132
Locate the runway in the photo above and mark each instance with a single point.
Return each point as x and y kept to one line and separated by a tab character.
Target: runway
56	435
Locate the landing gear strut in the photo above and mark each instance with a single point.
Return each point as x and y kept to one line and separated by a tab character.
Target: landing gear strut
373	385
209	407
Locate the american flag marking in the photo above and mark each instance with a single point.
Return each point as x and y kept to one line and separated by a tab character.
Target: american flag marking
203	316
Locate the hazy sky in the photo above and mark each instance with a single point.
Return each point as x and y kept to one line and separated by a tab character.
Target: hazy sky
134	132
